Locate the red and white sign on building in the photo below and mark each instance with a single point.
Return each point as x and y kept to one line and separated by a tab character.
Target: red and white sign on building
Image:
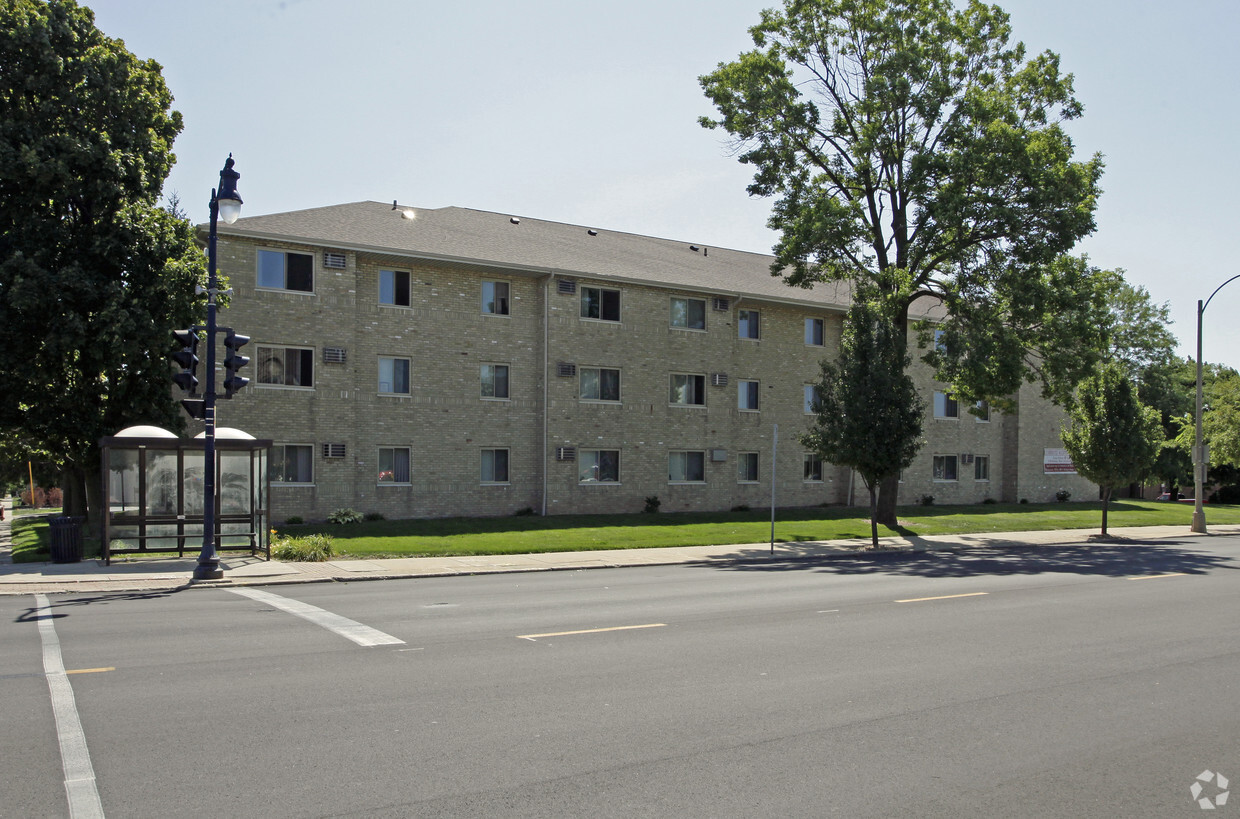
1057	462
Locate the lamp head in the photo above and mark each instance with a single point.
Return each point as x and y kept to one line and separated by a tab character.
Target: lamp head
228	199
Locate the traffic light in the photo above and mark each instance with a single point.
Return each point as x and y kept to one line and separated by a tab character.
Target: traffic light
187	357
234	361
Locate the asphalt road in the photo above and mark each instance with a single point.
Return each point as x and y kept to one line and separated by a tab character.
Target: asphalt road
1098	681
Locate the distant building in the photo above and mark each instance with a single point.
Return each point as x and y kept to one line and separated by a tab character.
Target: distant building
427	363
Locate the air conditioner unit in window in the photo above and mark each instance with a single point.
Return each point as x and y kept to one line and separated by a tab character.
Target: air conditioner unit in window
334	355
334	261
566	286
966	458
565	369
566	453
719	379
721	304
719	455
333	450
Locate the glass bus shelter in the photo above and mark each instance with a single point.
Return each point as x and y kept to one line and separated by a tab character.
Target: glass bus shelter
153	491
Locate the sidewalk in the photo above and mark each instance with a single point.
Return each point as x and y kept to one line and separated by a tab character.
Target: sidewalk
161	574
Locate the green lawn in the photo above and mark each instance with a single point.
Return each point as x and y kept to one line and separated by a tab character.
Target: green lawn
514	535
32	540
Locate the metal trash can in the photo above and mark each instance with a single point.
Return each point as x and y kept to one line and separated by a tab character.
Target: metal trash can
66	544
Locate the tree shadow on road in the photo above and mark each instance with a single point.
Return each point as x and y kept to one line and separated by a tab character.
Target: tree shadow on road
31	615
1115	558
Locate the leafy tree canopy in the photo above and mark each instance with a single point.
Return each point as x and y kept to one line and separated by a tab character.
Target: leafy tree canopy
867	414
910	145
94	275
1112	438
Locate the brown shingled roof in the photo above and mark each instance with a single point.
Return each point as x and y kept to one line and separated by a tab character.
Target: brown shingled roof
474	237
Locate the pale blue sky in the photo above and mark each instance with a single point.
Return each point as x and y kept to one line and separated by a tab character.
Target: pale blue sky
585	112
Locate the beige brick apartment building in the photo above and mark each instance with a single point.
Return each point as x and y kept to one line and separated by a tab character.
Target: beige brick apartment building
425	363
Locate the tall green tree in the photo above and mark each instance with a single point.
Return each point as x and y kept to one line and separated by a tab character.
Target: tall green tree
867	414
94	275
910	147
1112	438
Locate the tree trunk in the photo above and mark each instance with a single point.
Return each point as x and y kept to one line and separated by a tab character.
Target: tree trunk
873	517
1106	500
884	511
73	489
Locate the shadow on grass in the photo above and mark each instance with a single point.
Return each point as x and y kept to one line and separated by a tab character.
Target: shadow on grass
1106	558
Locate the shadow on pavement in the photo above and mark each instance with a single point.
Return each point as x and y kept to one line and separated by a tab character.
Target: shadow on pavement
56	601
1115	559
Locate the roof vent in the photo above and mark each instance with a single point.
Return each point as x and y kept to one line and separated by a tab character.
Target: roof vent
514	220
694	248
592	232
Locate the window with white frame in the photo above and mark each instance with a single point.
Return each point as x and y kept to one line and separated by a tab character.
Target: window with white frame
394	287
981	467
814	335
495	466
393	464
686	467
494	379
599	384
600	303
747	467
393	376
748	324
283	270
747	396
945	467
687	390
285	366
291	463
981	411
598	466
813	468
495	298
945	406
809	400
688	314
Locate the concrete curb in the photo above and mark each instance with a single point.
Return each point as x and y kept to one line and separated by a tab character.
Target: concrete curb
174	575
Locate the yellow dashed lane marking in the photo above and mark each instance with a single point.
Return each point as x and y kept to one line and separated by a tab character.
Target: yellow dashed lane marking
90	670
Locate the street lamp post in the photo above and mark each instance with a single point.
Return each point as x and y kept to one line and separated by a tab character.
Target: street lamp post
226	205
1201	459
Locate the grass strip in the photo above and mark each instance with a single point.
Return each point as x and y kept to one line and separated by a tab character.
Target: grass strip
530	534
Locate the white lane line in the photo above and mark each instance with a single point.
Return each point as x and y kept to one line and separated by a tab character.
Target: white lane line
943	597
349	629
588	631
1158	576
74	756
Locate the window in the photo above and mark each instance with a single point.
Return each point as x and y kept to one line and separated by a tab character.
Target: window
394	287
394	464
688	390
813	332
747	395
689	314
748	323
278	270
291	463
495	466
686	467
945	406
810	401
945	467
813	467
495	298
940	346
981	467
597	303
286	366
747	467
393	376
495	381
982	412
598	466
600	384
